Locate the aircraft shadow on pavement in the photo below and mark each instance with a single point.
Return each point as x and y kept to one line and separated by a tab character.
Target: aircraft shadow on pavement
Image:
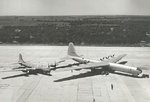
14	76
89	74
27	75
45	74
82	75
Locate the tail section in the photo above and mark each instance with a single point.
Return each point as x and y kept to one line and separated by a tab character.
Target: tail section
20	61
71	50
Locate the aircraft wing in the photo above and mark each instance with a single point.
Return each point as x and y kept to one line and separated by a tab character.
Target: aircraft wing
85	66
116	59
19	69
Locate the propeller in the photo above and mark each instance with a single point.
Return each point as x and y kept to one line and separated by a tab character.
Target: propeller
110	56
101	59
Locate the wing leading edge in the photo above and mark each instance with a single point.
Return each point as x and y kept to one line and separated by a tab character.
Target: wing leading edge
116	59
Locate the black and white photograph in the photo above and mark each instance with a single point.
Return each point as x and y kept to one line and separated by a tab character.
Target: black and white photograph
74	50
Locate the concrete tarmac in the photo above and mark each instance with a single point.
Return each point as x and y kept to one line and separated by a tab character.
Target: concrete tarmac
96	88
76	86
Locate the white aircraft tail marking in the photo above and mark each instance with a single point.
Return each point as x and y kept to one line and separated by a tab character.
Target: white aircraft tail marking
71	50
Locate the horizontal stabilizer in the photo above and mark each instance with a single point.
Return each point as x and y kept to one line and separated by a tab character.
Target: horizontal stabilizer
123	62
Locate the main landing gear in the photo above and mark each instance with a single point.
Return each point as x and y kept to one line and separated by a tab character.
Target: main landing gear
145	76
105	73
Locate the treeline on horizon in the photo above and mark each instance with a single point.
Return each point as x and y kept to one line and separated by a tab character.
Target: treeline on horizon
85	30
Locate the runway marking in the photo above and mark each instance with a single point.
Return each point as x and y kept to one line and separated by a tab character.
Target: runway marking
124	89
135	89
3	86
144	83
99	90
28	88
85	90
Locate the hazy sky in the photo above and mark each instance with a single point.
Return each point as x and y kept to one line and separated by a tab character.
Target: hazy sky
74	7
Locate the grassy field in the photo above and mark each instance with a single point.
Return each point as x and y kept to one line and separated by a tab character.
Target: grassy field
83	30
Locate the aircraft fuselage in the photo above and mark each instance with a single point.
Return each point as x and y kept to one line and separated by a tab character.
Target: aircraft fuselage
84	60
123	68
113	66
38	70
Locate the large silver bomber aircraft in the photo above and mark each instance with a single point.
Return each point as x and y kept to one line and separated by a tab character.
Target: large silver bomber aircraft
29	68
108	65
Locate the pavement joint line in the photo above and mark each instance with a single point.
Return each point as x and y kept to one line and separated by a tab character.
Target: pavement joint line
92	91
144	88
123	90
77	91
107	89
30	92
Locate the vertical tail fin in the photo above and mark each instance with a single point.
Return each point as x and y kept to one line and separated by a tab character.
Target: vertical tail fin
71	50
20	59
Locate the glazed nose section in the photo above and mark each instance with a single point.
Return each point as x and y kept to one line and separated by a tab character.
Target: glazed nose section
139	70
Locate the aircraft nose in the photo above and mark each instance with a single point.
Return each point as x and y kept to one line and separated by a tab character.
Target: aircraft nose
139	70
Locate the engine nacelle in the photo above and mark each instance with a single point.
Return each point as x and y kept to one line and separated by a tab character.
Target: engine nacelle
127	69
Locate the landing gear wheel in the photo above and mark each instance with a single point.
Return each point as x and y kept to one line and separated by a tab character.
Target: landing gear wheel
93	71
107	73
145	75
